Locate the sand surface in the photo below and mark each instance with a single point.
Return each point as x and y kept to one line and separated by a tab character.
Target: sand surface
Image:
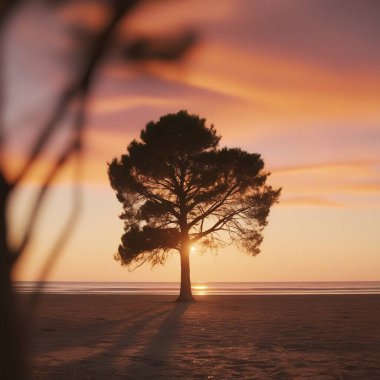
219	337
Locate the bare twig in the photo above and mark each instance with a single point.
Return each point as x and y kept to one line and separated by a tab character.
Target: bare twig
76	207
80	85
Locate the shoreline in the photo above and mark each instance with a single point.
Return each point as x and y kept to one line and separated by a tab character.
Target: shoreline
224	336
200	288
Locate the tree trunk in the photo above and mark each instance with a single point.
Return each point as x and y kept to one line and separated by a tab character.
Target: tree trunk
185	294
12	365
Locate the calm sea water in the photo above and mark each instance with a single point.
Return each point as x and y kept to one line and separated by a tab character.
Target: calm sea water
203	288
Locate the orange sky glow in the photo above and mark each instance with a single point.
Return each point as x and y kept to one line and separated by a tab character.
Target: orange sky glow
297	82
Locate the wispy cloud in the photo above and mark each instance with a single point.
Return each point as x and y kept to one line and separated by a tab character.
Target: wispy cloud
309	202
354	166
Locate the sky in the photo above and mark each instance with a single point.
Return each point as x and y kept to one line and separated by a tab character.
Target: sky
296	81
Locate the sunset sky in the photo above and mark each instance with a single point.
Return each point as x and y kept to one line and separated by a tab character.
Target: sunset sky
296	81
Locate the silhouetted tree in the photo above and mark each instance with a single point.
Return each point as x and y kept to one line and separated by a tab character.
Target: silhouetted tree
177	189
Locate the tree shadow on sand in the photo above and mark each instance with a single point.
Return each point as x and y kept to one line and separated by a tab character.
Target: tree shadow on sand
124	349
153	360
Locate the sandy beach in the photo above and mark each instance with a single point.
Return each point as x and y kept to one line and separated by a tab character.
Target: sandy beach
218	337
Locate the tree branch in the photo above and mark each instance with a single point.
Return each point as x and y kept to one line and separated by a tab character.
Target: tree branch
163	201
73	147
220	223
214	207
79	86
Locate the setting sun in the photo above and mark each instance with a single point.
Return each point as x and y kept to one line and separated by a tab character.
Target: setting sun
193	249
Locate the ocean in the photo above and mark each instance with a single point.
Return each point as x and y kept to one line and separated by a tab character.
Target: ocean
201	288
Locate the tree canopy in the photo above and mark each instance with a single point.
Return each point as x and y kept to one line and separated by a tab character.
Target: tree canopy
178	188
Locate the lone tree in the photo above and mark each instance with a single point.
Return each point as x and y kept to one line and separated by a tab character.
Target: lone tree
177	189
